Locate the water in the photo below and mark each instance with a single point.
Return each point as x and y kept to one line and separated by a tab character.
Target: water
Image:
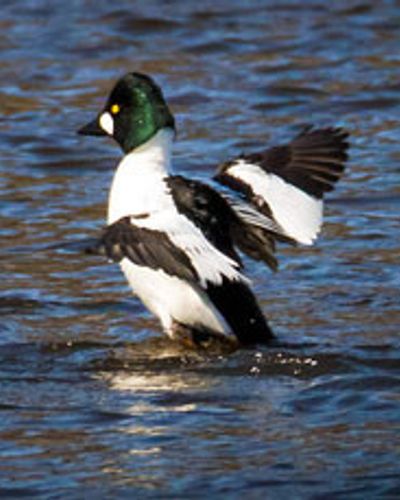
94	401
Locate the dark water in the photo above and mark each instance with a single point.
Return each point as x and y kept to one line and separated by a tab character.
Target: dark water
94	401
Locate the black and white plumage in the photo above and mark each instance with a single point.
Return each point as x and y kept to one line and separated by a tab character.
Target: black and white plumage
178	241
198	256
287	183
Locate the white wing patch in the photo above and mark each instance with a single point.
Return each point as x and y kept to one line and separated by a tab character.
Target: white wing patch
298	213
210	264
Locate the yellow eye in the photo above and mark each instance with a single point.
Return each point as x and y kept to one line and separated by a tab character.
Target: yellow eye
115	109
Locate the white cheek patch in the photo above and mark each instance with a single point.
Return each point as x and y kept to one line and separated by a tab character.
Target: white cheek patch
106	122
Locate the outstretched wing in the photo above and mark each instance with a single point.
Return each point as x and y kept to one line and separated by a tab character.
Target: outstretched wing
227	223
287	183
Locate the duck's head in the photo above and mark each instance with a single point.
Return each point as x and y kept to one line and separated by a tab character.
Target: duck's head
135	111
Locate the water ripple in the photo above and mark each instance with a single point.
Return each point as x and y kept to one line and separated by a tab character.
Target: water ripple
94	400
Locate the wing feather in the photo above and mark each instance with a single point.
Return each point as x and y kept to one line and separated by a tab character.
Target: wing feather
228	223
144	247
287	183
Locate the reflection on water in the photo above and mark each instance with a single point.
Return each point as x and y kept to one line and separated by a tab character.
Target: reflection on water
93	399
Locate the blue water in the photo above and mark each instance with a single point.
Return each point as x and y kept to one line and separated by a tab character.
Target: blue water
94	400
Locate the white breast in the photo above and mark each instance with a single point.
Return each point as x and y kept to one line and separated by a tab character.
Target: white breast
172	299
138	186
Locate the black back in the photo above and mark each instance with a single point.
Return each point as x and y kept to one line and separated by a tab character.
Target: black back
207	209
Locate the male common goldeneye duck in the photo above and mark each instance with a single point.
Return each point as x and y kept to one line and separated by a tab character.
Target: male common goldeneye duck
177	240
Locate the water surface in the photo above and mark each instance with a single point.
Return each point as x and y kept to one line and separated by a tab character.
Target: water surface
94	401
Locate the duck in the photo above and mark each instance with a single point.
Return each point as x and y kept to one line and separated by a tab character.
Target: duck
180	241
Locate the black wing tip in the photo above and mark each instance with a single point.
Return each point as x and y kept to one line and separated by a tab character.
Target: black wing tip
334	141
101	249
328	129
313	136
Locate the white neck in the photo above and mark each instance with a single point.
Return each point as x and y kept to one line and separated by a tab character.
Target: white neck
138	185
156	152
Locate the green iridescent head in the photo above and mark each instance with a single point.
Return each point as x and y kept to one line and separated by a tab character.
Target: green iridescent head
134	113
